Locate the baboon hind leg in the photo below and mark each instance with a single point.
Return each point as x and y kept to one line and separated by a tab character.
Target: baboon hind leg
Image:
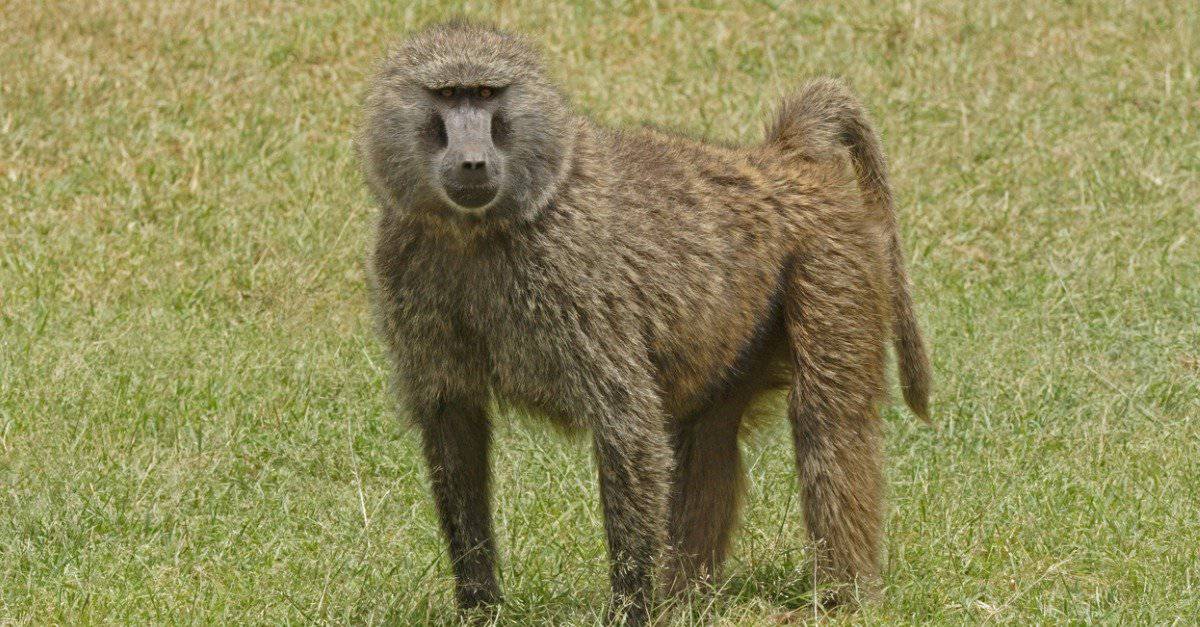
837	330
706	492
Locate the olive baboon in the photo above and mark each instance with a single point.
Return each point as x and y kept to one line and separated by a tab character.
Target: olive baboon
644	286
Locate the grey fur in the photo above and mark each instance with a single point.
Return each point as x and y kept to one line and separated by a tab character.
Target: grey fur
648	288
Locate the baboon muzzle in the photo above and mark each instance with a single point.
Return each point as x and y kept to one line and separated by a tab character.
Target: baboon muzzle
471	164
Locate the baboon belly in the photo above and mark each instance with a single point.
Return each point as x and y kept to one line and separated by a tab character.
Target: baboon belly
733	344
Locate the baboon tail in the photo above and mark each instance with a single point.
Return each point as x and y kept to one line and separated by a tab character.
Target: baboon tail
823	118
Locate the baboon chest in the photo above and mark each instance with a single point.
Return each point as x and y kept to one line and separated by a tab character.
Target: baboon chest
517	333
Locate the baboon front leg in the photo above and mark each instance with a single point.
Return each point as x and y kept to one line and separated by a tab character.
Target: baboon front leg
838	334
455	438
634	465
706	493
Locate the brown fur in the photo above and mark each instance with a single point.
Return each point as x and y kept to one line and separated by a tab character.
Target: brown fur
650	288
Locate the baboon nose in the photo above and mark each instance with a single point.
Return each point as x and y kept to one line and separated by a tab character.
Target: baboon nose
473	170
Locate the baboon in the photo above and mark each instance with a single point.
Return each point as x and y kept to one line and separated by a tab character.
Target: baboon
641	285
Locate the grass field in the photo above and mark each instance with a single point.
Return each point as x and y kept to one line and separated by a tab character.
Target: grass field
194	421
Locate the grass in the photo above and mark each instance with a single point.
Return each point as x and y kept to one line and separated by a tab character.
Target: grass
194	423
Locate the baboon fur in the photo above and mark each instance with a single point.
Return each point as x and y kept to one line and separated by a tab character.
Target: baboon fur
649	288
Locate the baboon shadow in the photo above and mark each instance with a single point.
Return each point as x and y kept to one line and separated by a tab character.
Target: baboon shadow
785	586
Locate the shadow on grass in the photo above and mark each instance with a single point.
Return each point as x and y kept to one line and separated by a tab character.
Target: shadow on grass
782	591
516	609
786	586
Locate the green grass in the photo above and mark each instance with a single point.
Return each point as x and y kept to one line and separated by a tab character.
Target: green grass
194	421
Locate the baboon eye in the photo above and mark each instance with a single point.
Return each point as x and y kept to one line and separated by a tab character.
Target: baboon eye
485	92
447	92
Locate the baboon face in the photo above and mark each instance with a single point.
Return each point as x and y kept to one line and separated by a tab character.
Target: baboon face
463	123
461	143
